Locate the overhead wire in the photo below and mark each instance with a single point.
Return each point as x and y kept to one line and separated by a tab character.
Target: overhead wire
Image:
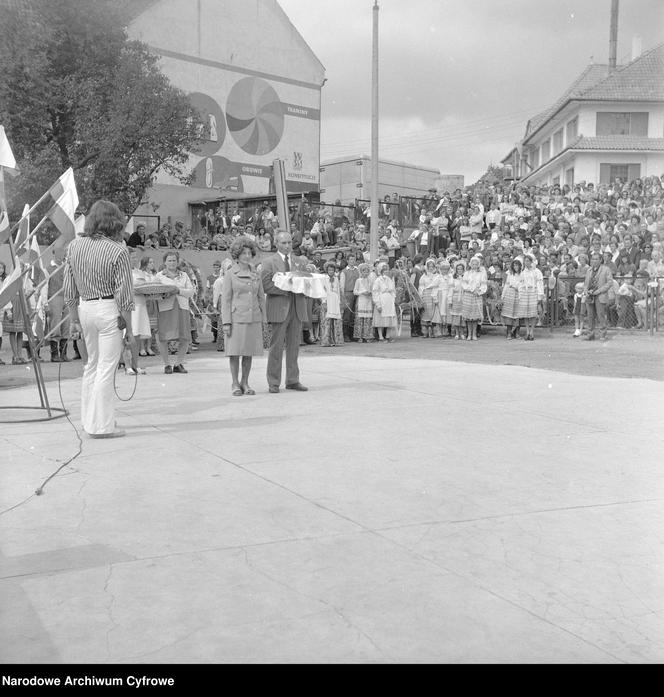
407	145
514	116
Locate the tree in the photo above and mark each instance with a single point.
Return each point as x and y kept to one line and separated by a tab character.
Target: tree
494	175
75	91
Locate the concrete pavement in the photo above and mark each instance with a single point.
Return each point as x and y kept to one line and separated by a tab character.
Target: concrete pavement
399	511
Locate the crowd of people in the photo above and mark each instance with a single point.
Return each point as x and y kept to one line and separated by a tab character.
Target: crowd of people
514	255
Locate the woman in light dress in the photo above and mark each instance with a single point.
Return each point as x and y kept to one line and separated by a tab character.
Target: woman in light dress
385	314
140	320
217	287
474	285
174	312
531	295
363	326
510	298
457	300
331	325
442	315
428	290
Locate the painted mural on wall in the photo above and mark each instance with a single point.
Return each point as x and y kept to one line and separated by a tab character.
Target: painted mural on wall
251	121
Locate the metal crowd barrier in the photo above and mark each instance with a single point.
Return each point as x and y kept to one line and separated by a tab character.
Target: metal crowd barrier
634	303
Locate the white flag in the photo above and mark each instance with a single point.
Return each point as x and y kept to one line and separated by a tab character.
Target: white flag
6	154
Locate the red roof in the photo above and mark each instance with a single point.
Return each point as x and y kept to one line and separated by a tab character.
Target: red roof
618	143
640	80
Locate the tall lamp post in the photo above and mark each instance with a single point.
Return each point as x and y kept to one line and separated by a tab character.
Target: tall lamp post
373	247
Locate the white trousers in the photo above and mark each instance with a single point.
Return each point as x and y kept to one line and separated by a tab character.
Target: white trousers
103	340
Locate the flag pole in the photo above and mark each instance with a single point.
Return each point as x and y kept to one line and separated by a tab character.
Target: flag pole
41	386
30	234
32	208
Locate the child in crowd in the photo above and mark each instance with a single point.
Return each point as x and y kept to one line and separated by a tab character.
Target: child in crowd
626	313
579	309
639	290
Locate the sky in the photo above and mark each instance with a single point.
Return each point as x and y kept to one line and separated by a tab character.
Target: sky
458	78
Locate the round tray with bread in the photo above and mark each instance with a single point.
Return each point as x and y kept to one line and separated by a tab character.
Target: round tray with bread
153	289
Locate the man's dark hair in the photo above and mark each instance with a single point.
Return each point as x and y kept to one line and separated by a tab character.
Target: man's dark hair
104	219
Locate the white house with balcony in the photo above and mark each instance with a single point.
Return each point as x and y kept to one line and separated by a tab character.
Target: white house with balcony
608	124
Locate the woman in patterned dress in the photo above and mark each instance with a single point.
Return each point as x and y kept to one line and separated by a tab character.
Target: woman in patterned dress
331	325
12	321
148	268
510	298
442	315
472	308
457	300
428	290
531	294
363	327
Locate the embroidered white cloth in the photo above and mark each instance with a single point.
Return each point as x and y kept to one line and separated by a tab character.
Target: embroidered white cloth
309	284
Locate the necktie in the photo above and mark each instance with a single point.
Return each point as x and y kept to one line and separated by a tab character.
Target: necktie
286	263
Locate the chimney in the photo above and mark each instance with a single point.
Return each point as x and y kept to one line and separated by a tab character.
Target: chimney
613	36
637	46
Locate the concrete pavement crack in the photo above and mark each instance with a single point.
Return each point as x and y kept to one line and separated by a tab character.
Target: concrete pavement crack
337	610
247	470
498	516
109	611
473	581
175	642
83	509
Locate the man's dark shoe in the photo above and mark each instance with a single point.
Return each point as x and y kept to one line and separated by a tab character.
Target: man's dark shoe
273	389
168	369
179	369
298	386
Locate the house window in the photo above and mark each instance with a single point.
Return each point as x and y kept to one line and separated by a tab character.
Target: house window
572	129
546	150
609	172
615	123
556	181
557	141
569	176
535	158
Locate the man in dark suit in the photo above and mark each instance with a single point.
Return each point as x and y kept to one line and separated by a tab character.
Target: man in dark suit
285	312
631	250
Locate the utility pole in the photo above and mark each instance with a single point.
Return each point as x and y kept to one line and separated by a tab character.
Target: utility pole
613	36
373	240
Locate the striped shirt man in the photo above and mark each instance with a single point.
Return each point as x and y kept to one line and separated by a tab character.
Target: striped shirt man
98	268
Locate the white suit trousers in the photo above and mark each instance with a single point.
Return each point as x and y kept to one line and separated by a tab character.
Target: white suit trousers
103	339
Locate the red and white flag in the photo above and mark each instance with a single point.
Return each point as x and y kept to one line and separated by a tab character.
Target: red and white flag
62	215
4	227
64	184
10	286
